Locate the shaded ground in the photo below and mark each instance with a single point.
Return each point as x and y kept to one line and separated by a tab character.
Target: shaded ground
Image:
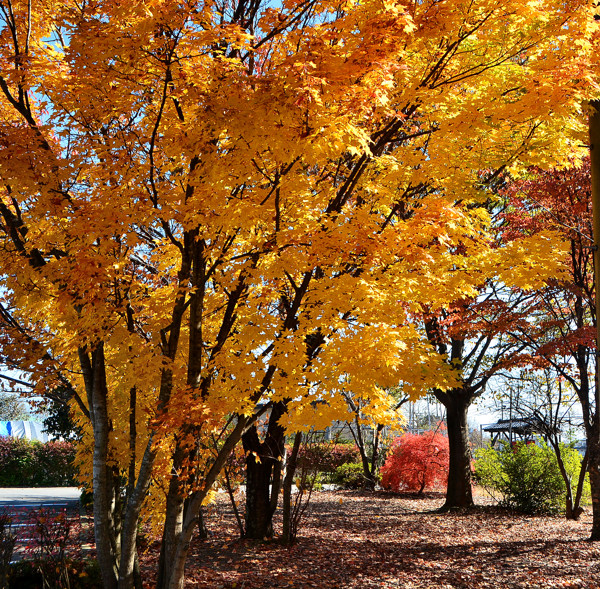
355	540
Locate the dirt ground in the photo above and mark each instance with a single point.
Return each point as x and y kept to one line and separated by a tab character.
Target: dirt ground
377	540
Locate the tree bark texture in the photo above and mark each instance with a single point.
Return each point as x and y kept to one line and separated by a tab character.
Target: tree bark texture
263	468
459	491
289	528
593	450
94	374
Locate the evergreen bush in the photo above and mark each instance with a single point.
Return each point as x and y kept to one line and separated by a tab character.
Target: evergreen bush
525	477
349	476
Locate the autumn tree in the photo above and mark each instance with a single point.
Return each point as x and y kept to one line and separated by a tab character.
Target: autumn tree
190	189
550	401
369	437
565	320
476	337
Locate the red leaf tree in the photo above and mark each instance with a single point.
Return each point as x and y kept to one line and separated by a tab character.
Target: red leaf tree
416	462
565	320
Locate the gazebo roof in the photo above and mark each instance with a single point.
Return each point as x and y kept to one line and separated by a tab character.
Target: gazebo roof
522	426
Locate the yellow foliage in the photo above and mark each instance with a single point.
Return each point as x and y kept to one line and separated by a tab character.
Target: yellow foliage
198	199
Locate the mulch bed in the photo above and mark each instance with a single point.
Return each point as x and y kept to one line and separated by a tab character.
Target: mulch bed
377	540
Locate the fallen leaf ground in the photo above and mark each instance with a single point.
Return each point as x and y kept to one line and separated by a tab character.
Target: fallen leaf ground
367	540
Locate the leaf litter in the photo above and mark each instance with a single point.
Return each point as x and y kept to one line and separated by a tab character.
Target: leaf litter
380	540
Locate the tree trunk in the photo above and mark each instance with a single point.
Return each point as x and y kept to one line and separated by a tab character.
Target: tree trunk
593	427
289	531
572	508
369	466
593	448
458	492
172	567
129	574
263	461
202	529
372	481
94	375
259	520
173	519
578	510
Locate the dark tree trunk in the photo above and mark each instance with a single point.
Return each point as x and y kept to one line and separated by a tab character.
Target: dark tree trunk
202	529
259	522
263	480
458	492
593	449
369	465
578	510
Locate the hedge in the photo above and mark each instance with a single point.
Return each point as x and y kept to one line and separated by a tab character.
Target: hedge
26	463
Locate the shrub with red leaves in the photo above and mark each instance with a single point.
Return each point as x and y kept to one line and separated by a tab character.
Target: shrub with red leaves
326	456
26	463
416	462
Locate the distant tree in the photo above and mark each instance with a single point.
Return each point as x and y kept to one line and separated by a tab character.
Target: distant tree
549	400
12	408
57	417
370	440
416	462
475	336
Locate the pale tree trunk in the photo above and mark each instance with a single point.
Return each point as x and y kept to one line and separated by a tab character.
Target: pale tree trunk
288	532
172	573
128	566
94	374
173	519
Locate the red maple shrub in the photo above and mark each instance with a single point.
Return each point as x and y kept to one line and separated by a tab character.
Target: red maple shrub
416	462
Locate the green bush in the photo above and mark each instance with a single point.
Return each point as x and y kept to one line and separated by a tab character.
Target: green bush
349	476
25	575
25	463
17	462
54	464
526	477
309	481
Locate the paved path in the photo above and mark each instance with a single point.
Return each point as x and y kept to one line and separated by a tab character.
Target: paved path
31	497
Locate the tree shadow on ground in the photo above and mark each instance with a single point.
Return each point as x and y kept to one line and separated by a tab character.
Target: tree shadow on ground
371	540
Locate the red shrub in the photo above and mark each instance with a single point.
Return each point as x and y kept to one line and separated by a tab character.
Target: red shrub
326	456
416	462
26	463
